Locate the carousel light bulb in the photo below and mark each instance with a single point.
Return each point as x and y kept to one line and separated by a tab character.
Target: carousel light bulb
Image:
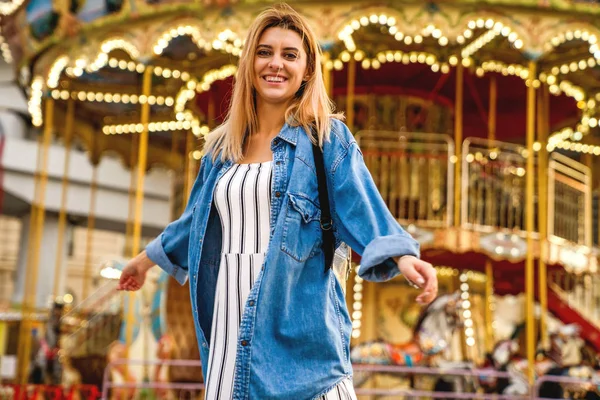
399	36
573	66
393	30
366	64
383	19
443	41
354	24
364	21
480	23
408	40
471	24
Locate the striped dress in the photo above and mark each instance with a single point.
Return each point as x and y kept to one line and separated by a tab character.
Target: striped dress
243	200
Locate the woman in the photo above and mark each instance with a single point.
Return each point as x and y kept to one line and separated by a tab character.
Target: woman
271	324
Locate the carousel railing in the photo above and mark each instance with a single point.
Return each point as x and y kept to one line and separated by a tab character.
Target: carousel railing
493	186
569	201
161	389
423	382
579	291
413	174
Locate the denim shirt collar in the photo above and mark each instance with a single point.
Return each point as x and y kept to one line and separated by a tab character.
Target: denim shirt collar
289	133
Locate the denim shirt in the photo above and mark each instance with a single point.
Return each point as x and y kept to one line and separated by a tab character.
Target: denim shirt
294	337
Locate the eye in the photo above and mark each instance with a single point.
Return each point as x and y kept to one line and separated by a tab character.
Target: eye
263	53
290	56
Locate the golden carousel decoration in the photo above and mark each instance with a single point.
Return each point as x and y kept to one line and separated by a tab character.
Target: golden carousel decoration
479	123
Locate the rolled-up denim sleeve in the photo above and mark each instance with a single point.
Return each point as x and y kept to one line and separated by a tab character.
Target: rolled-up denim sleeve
362	219
169	250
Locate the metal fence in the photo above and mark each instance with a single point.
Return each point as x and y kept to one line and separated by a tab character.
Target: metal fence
413	173
569	200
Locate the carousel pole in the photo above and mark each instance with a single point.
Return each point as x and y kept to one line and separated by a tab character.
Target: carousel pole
489	271
131	195
139	194
87	271
34	241
189	166
350	93
529	223
458	138
62	214
543	130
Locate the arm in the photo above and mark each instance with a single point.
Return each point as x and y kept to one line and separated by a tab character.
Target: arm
363	221
170	249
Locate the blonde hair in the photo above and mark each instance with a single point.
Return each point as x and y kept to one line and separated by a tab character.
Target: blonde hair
311	108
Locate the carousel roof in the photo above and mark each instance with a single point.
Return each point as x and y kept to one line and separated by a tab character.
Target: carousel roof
96	52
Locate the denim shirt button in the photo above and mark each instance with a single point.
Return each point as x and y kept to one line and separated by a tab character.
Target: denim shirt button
277	194
244	343
278	163
251	303
204	344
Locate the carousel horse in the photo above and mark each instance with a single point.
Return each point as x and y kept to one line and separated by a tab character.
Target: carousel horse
567	352
431	337
45	366
563	359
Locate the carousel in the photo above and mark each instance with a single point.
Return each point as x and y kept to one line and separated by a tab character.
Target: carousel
478	121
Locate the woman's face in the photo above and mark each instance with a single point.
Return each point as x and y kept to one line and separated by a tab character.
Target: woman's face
279	65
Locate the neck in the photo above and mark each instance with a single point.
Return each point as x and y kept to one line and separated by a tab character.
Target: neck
271	117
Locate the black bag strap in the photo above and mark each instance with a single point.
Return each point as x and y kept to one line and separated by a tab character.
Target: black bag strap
326	220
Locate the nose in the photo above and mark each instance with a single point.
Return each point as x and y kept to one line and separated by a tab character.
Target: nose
276	63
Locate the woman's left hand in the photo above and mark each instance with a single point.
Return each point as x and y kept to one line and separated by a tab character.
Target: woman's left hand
422	274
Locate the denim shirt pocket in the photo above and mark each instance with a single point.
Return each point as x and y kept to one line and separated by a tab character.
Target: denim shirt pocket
301	232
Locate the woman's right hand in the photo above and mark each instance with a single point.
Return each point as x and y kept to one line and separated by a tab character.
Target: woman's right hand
133	275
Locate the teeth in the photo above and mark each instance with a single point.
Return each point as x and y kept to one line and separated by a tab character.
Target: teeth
274	79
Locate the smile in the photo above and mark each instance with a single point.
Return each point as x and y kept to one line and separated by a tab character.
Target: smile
274	79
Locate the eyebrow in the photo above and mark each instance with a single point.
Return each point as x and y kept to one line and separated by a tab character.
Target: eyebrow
271	47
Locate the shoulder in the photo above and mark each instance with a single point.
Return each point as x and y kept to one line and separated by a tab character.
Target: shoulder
206	164
340	135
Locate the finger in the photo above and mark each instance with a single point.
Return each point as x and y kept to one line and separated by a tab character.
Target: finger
412	275
432	281
425	298
428	273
